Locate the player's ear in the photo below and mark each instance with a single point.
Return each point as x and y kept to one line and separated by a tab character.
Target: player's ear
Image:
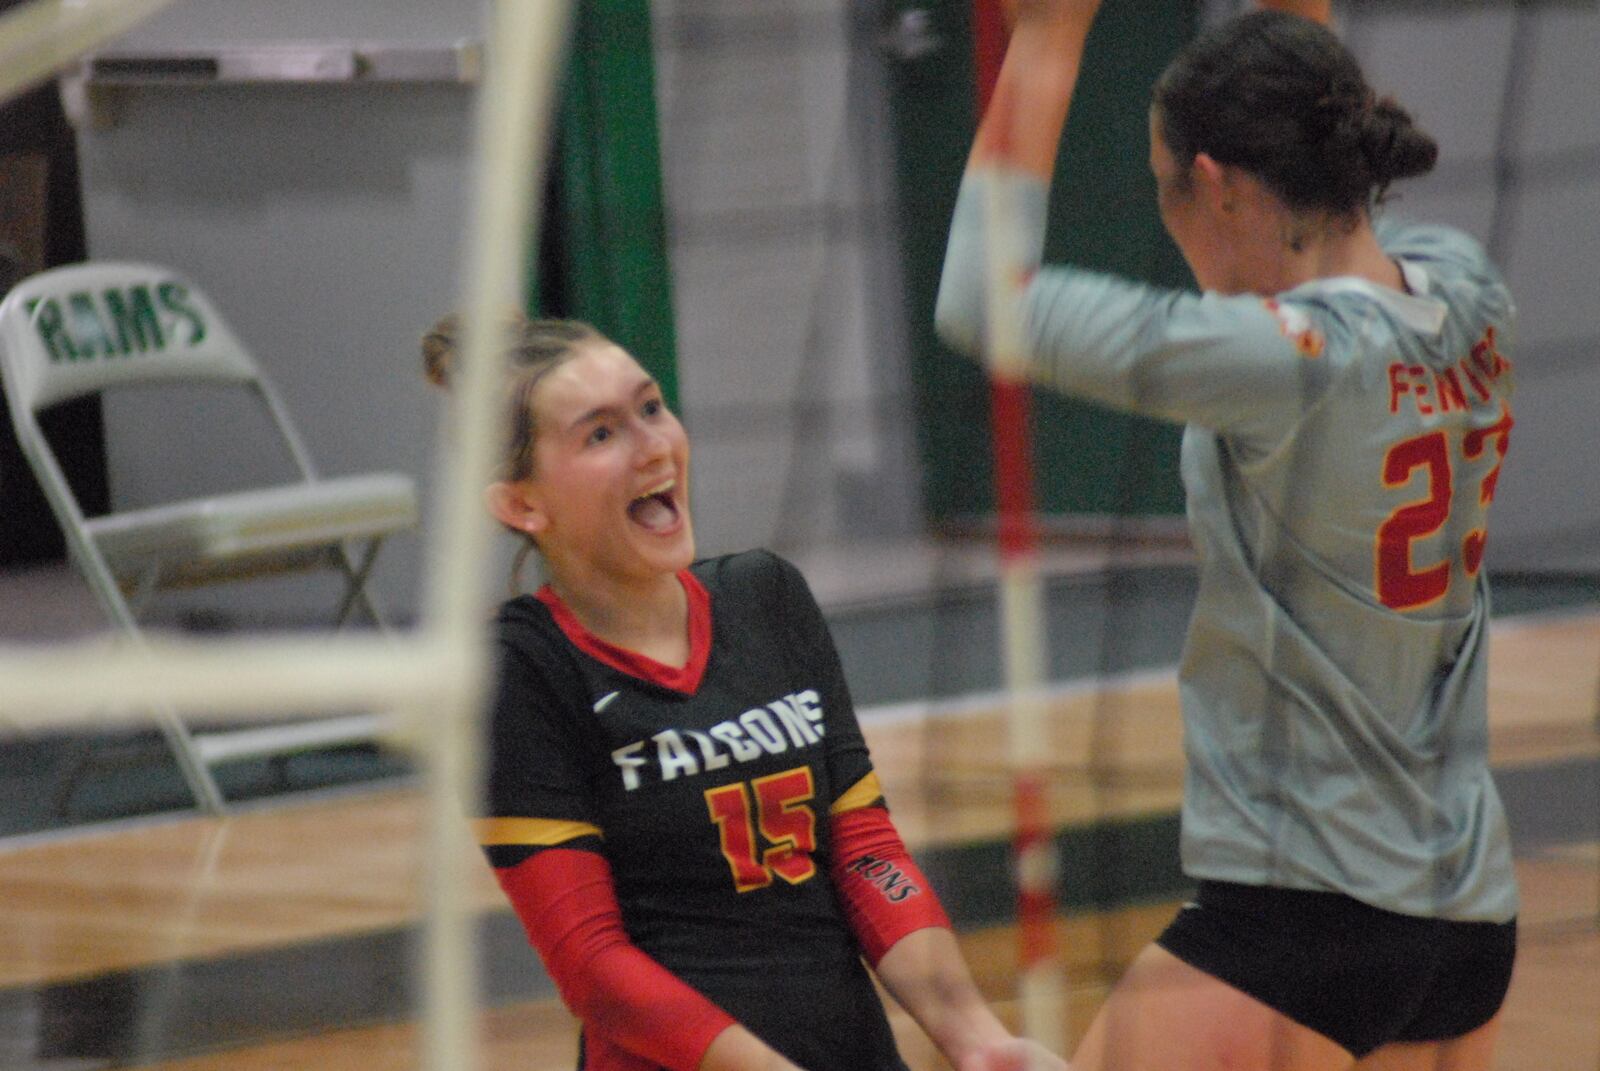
517	505
1212	181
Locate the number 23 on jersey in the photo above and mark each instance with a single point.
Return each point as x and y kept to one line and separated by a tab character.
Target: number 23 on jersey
1402	582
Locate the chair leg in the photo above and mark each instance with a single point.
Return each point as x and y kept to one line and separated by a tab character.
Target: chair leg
143	589
179	743
77	768
195	772
88	755
355	575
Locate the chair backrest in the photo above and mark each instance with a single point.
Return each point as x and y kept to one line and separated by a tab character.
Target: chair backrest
84	328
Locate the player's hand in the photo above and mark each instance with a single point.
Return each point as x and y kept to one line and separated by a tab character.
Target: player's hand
1013	1054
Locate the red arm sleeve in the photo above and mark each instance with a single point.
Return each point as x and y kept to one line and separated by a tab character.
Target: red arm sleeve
568	905
884	895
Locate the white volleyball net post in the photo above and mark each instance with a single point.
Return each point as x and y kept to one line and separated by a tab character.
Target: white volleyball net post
525	48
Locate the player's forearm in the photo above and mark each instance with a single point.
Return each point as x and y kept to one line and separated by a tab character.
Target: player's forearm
736	1049
1012	252
927	975
567	903
1028	109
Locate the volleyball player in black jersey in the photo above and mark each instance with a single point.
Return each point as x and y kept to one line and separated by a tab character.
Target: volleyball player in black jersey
680	804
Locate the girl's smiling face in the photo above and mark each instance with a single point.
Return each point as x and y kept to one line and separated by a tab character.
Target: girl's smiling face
608	499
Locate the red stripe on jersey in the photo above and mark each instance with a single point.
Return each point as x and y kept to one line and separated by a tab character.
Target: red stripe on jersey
568	905
685	679
884	894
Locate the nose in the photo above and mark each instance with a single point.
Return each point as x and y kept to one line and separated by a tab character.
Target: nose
653	444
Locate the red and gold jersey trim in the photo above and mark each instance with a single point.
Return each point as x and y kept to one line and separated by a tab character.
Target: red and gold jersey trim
864	793
531	832
685	678
1296	327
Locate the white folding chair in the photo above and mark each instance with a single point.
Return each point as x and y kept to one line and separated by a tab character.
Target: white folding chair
94	327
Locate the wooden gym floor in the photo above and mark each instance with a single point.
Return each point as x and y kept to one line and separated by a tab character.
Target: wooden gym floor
280	937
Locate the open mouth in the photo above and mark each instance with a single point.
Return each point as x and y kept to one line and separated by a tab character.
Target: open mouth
656	509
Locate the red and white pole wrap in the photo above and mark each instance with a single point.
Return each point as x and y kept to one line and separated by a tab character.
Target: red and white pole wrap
1041	983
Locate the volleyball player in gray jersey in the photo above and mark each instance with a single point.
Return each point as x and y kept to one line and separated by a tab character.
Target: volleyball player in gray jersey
1346	396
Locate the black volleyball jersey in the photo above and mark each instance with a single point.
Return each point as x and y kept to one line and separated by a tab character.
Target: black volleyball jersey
708	789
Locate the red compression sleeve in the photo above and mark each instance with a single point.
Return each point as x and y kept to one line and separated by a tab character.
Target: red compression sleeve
884	894
568	904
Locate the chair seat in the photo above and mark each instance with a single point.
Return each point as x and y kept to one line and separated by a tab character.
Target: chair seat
291	522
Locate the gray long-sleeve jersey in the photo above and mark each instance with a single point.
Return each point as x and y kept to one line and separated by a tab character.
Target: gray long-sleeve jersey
1342	446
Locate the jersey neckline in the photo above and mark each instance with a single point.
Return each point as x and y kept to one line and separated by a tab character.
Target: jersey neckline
685	679
1419	310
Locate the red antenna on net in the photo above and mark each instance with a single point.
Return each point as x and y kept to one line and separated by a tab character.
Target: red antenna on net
1041	984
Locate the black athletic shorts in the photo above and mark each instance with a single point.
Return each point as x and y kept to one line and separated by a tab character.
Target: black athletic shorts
1354	973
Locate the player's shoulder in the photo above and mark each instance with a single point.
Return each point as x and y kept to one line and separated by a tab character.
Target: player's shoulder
1434	243
1455	267
757	573
523	616
525	632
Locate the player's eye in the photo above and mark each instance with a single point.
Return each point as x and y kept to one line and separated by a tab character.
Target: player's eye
600	434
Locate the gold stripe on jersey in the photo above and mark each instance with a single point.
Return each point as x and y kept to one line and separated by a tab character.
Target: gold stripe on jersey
540	832
864	793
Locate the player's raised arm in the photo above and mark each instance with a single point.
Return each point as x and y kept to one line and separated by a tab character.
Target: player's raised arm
997	233
1022	125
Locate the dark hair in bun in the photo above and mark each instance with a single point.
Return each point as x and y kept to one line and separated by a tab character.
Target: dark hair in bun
1281	97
